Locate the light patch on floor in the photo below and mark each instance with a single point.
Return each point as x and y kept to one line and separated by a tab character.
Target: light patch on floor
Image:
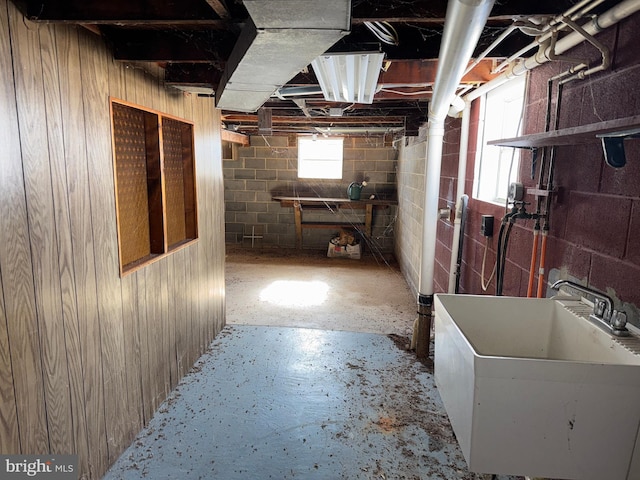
284	403
295	293
271	288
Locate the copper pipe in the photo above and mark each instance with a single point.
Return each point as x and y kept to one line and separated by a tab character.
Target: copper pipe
534	258
543	255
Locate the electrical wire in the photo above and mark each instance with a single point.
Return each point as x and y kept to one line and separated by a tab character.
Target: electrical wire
422	92
484	285
384	32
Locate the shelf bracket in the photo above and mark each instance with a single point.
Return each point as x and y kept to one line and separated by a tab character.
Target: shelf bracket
613	146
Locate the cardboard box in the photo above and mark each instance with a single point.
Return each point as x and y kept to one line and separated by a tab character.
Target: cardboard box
349	251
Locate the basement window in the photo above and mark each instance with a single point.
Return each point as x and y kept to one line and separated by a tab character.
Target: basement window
154	182
500	117
320	158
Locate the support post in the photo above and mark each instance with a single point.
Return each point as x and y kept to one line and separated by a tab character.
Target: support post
423	326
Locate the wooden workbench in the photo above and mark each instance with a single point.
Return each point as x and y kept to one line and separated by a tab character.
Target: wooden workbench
332	204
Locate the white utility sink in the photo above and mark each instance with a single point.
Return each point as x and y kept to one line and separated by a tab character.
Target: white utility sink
533	388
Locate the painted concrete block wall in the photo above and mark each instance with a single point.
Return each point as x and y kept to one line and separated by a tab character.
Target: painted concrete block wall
268	167
594	221
595	216
411	168
408	238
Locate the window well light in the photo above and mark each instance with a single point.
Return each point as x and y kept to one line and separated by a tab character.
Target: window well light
348	77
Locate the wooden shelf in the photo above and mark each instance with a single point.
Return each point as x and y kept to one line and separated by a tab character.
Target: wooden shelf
571	136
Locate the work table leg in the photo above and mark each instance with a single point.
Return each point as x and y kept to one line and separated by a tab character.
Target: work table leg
368	220
297	211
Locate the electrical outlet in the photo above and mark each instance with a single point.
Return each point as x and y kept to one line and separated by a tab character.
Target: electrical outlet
486	226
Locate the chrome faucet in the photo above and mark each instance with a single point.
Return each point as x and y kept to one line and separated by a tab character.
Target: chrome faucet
603	314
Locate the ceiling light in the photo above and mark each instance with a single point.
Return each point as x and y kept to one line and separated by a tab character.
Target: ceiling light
348	77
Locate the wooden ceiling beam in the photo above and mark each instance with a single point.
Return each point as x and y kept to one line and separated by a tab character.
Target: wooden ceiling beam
219	7
234	137
423	72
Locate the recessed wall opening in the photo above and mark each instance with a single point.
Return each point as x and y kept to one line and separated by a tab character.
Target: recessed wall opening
154	165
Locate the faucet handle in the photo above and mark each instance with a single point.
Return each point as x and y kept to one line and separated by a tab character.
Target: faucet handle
599	308
618	320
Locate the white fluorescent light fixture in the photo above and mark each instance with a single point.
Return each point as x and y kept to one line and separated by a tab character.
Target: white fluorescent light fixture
348	77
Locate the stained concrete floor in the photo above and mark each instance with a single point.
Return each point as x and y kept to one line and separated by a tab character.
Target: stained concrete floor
320	392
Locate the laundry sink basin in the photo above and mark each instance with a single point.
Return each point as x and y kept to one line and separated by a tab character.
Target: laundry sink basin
532	387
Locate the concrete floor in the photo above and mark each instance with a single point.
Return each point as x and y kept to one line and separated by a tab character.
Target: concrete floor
367	295
325	391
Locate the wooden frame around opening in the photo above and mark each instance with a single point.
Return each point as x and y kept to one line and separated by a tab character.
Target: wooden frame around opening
155	184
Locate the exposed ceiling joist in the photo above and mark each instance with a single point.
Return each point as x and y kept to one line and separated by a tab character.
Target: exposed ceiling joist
219	7
189	44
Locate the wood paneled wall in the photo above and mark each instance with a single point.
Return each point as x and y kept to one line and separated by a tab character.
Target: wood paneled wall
86	356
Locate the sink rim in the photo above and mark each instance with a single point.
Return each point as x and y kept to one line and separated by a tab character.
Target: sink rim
611	350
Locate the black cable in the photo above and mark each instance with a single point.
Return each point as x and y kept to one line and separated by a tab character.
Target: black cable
503	223
503	260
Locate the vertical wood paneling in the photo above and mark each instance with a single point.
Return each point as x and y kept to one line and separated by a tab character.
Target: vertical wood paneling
154	334
15	263
134	94
85	355
70	327
206	106
167	354
203	202
9	436
191	266
156	299
93	458
177	318
129	288
96	109
218	243
145	357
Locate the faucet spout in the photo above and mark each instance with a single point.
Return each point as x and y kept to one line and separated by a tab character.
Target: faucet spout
603	311
600	296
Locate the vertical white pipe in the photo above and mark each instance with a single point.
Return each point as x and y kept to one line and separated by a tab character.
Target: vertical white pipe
430	217
462	177
463	25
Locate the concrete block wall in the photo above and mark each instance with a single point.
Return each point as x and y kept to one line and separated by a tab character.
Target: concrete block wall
408	238
595	219
268	167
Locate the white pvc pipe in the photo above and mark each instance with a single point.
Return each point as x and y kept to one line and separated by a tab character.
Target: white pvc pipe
462	177
463	25
607	19
557	24
430	217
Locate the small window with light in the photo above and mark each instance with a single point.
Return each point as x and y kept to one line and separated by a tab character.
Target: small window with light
500	117
320	158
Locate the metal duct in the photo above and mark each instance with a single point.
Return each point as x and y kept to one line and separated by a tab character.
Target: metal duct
280	39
